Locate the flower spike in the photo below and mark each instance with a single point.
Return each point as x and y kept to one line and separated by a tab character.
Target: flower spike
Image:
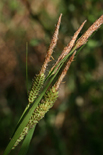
83	39
52	46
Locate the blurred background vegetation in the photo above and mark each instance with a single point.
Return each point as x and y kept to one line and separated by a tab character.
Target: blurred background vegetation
74	126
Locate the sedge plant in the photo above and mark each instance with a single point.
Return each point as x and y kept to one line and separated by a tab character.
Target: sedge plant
44	90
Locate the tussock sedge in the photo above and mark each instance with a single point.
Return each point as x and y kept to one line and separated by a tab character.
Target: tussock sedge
40	103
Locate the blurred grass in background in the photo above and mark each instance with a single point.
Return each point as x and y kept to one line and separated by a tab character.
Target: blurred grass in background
74	126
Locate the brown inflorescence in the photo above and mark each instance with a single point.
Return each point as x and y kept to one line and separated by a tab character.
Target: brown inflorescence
57	84
52	46
83	39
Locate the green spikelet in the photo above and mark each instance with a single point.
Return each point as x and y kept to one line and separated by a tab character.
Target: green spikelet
36	86
43	107
21	137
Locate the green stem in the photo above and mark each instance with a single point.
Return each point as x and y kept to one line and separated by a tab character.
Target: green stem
27	67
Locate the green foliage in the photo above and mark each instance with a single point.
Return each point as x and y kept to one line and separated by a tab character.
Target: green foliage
34	42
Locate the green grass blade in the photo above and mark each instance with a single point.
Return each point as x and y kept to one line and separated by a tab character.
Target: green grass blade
26	88
27	91
27	107
26	142
21	127
27	67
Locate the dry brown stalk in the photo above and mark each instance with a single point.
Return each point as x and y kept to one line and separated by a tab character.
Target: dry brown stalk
52	46
57	84
68	48
83	39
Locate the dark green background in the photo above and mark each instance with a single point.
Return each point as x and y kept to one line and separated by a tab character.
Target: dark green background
74	126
